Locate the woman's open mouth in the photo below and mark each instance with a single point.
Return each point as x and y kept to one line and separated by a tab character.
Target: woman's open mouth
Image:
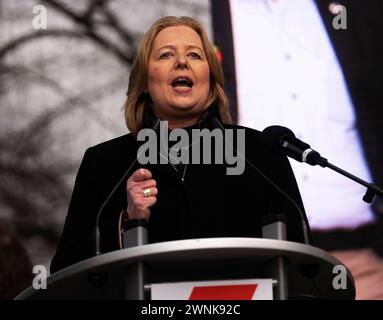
182	85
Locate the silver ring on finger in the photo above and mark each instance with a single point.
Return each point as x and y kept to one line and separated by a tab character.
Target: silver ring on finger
147	192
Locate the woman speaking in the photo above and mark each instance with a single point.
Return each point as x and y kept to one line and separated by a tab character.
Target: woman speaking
177	80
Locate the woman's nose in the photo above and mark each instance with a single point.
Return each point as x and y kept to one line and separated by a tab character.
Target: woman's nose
181	62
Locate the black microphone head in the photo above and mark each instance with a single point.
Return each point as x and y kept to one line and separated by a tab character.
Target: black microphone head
283	140
275	135
276	138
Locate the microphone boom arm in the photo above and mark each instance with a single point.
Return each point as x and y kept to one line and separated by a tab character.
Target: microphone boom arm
372	189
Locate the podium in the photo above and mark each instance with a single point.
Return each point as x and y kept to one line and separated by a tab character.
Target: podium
309	271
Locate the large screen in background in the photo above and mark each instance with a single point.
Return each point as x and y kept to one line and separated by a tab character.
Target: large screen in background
287	73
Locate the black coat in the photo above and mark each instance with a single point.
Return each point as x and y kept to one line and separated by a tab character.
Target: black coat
208	203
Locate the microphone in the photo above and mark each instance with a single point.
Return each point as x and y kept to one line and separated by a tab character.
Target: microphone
97	237
281	138
304	223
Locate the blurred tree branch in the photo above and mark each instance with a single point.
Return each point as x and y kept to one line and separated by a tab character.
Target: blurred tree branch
31	186
123	50
32	36
88	22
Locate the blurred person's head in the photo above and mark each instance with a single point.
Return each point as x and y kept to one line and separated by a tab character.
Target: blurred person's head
15	265
173	50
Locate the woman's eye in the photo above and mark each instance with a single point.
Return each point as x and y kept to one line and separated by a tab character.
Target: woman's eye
195	55
165	55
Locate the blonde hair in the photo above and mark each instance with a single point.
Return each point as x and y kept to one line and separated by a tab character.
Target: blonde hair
138	99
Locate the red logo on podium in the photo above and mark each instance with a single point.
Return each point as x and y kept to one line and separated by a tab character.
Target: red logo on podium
229	292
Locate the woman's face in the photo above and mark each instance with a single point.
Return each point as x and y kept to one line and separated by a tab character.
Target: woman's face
178	75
